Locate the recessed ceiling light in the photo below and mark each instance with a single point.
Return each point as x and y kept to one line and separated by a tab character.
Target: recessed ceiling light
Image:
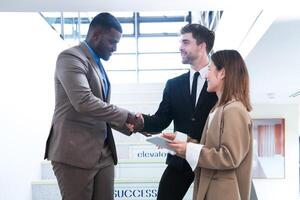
271	95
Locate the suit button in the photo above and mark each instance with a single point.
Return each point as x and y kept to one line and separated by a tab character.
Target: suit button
193	119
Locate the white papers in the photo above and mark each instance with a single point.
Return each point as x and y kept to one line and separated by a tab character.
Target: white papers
160	141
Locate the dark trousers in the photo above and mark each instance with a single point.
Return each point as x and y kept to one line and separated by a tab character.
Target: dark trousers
174	183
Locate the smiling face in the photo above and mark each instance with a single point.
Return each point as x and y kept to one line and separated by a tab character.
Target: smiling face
190	51
105	43
215	79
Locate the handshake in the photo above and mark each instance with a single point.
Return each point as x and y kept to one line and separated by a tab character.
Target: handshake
135	123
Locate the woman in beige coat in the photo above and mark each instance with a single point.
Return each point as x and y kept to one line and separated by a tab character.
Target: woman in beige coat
223	159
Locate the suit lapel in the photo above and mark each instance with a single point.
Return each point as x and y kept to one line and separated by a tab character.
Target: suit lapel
185	88
109	89
93	62
187	94
202	96
95	67
204	133
108	82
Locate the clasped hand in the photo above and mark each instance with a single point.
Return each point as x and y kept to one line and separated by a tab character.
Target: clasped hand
135	123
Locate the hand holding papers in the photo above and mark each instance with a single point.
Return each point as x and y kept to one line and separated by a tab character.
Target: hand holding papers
160	141
175	142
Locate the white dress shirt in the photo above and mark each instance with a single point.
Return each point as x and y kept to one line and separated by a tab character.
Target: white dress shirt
193	150
200	80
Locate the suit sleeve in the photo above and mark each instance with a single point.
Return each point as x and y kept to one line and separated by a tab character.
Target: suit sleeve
71	72
163	116
234	144
122	129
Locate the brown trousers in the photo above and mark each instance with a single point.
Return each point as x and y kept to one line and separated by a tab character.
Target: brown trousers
87	184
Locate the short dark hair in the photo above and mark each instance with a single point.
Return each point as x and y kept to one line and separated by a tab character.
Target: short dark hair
201	34
106	21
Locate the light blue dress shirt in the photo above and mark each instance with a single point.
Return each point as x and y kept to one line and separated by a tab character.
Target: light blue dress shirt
101	68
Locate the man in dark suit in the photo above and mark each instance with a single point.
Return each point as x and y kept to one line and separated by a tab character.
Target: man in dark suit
80	144
187	103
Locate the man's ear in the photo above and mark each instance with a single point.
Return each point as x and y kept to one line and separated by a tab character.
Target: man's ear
97	33
204	46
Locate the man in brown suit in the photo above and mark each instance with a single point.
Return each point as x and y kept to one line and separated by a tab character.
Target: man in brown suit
80	144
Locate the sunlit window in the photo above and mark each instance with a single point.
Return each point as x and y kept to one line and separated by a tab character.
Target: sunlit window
148	51
127	45
161	27
160	61
159	44
121	62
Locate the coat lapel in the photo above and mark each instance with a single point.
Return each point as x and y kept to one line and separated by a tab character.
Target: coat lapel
95	67
109	89
213	128
185	88
107	79
203	138
202	96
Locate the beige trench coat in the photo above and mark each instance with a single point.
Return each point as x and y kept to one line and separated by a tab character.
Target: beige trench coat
225	162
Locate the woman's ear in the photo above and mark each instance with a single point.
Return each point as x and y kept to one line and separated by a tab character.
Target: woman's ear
221	74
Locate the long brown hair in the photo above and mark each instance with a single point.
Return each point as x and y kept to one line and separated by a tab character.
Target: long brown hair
236	81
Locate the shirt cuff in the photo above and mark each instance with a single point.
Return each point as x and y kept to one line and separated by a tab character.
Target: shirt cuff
173	153
192	154
182	137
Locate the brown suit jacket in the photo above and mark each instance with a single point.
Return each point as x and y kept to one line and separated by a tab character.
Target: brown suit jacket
82	117
225	162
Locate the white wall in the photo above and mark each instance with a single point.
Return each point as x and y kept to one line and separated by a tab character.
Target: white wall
26	105
28	53
287	188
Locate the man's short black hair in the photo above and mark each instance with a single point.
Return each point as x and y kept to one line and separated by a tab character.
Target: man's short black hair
201	34
106	21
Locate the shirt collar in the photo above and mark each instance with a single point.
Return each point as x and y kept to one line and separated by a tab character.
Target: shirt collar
95	56
202	72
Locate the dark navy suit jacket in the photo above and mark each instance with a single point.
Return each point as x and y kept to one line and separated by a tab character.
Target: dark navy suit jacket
176	106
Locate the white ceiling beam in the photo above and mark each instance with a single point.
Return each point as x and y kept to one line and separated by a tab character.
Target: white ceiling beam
262	23
234	27
124	5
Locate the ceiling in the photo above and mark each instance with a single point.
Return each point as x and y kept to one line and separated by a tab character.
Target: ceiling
266	33
127	5
274	63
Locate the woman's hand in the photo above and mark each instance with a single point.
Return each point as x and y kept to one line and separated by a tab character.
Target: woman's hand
169	136
179	147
